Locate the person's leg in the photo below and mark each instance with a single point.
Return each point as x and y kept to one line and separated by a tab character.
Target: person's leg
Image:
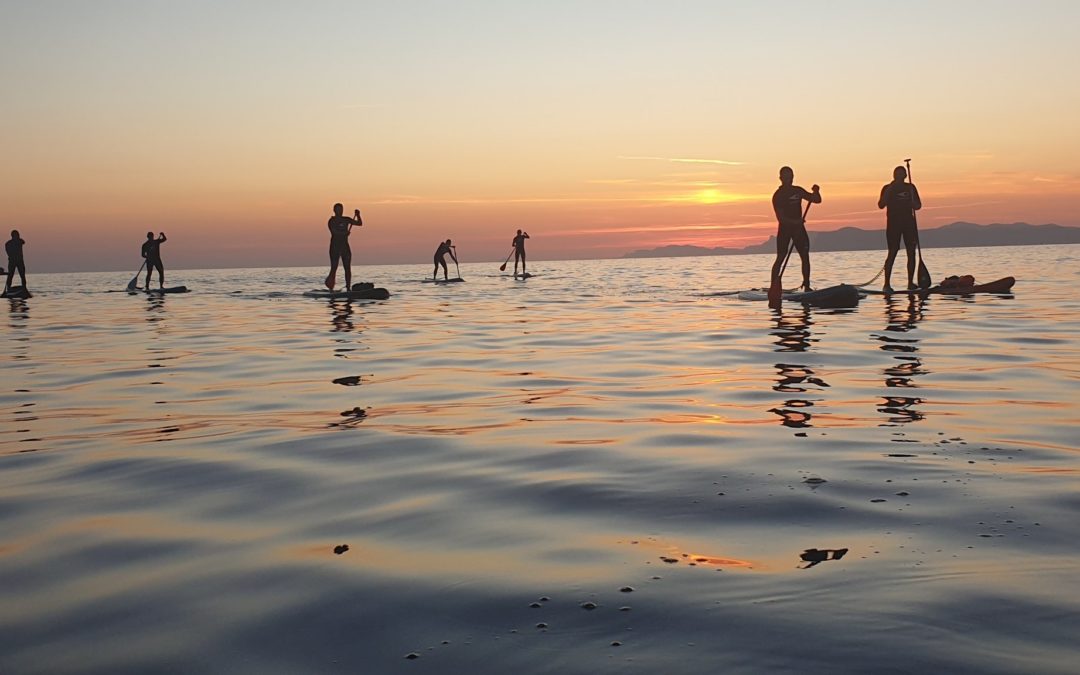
149	271
783	240
445	271
523	262
802	245
161	273
517	257
892	239
346	261
435	272
22	273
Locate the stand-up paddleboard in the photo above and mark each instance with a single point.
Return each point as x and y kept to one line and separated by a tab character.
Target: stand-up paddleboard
841	295
1003	285
159	291
443	281
16	293
524	275
358	294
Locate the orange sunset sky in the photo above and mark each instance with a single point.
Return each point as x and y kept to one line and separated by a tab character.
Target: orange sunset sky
599	127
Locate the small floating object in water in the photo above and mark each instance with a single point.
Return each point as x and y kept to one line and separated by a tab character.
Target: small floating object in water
341	548
815	480
412	656
588	605
626	589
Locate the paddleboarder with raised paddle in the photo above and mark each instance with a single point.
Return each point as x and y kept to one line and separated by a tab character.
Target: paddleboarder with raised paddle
340	227
900	199
791	230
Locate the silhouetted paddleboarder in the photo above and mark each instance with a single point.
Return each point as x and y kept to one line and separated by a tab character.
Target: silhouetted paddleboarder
519	250
151	250
440	259
900	199
340	226
14	249
791	226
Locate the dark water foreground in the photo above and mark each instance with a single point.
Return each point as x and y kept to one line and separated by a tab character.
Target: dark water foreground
594	470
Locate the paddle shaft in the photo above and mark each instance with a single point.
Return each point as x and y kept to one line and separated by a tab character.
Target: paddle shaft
924	274
502	268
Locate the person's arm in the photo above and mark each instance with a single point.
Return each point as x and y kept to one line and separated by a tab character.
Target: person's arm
453	253
883	201
525	235
814	196
356	219
916	202
162	238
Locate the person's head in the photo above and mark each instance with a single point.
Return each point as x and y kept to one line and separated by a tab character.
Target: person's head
899	173
447	242
787	176
338	209
519	231
149	235
14	234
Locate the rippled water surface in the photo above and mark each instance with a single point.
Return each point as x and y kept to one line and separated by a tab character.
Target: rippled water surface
175	473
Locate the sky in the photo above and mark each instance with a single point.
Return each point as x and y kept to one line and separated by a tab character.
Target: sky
599	127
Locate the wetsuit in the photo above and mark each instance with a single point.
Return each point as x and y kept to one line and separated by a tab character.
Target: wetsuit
151	250
14	250
440	259
519	251
339	243
787	205
901	200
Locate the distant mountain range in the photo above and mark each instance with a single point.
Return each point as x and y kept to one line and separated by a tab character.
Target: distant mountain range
958	234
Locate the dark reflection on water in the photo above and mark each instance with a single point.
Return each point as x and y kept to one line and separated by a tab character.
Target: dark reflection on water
902	315
793	336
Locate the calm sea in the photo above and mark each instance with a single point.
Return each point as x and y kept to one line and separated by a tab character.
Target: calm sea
595	470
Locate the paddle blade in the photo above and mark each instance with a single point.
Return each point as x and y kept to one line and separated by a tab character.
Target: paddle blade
330	281
924	275
134	283
502	267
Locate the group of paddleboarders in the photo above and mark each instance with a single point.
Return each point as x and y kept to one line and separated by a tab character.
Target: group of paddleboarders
899	198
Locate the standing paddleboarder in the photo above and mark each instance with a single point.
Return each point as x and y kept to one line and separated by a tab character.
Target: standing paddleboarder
519	250
14	249
340	226
440	258
151	250
900	199
791	225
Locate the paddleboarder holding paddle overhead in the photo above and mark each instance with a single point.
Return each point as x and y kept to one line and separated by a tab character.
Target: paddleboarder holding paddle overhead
900	199
340	226
791	229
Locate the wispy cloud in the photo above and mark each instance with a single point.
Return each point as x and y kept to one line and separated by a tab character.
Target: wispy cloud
362	106
684	160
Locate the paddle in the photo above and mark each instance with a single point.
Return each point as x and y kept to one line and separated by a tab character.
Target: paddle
134	283
924	274
458	269
502	267
776	288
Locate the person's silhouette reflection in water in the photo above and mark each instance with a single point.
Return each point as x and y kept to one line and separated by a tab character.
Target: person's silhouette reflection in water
815	556
902	315
793	335
900	200
440	258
